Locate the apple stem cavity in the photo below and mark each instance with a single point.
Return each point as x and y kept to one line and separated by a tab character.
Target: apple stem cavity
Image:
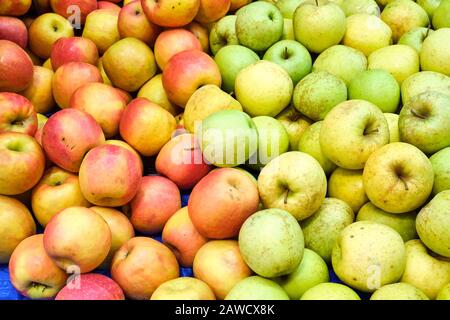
418	114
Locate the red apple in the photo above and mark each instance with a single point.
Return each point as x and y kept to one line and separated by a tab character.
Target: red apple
16	67
170	13
73	49
123	144
62	7
14	7
17	114
212	10
39	92
141	265
108	5
185	72
13	29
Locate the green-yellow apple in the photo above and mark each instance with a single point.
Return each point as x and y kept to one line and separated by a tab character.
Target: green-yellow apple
342	61
435	53
441	167
322	229
277	255
101	28
429	6
330	291
15	30
359	26
257	288
444	294
231	59
319	25
212	10
377	86
16	67
295	124
17	114
263	88
287	7
441	16
223	34
404	224
288	30
310	272
424	121
400	60
171	13
426	271
14	7
317	93
424	81
295	182
184	288
351	132
368	255
398	291
39	92
259	25
352	7
154	91
398	171
415	37
65	8
433	224
347	185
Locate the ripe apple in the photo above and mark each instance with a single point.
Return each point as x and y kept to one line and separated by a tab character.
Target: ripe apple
398	291
14	7
257	288
13	29
154	91
434	55
184	288
32	272
237	4
330	291
295	124
171	13
16	67
102	28
39	92
108	5
16	224
68	135
17	114
441	15
22	161
220	265
72	49
415	37
441	167
444	294
212	10
123	144
223	34
352	7
347	185
424	81
141	265
201	33
91	286
63	7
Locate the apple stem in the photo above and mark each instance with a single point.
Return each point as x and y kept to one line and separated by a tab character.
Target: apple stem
428	30
404	183
286	196
317	2
418	115
286	55
190	149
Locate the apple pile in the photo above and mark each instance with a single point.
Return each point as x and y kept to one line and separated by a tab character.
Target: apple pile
111	111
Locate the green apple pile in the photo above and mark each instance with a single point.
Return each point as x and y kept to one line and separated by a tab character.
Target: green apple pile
310	135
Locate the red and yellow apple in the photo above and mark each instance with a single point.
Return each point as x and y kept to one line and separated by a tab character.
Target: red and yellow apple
108	5
42	120
14	7
73	49
39	92
16	67
212	10
170	13
17	114
13	29
65	9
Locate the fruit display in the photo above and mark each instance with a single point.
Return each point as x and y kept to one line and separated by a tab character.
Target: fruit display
225	149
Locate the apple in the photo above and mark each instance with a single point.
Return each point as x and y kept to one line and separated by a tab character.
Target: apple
201	33
342	61
441	167
319	25
16	67
123	144
16	225
185	72
171	13
429	6
287	7
154	91
292	56
398	171
102	28
91	286
424	81
237	4
65	9
441	15
22	161
141	265
295	124
428	272
220	265
223	34
39	92
398	291
48	64
107	5
73	49
352	7
415	37
257	288
17	114
330	291
347	185
68	135
42	120
45	30
424	121
184	288
14	7
13	29
434	55
32	272
212	10
173	41
444	294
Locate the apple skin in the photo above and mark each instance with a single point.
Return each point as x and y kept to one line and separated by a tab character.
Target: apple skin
68	135
32	272
185	72
181	160
220	265
108	5
133	23
424	81
141	265
432	58
351	7
257	288
415	37
223	33
441	16
429	6
330	291
39	92
16	225
212	10
237	4
347	185
57	190
102	28
171	13
287	7
16	67
184	288
123	144
444	294
295	124
441	167
22	161
180	235
13	29
110	175
73	49
154	91
17	114
173	41
42	120
85	246
14	7
92	286
398	171
85	7
201	33
398	291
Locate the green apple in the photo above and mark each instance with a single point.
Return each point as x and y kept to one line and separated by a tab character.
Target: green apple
342	61
426	271
271	243
319	25
292	57
295	124
441	167
323	228
256	288
435	53
259	25
263	88
311	271
398	178
330	291
404	224
228	138
368	255
287	7
310	143
351	7
377	86
392	120
317	93
288	30
441	16
347	185
424	81
398	291
415	37
351	132
424	121
429	6
444	294
295	182
232	59
223	33
433	224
